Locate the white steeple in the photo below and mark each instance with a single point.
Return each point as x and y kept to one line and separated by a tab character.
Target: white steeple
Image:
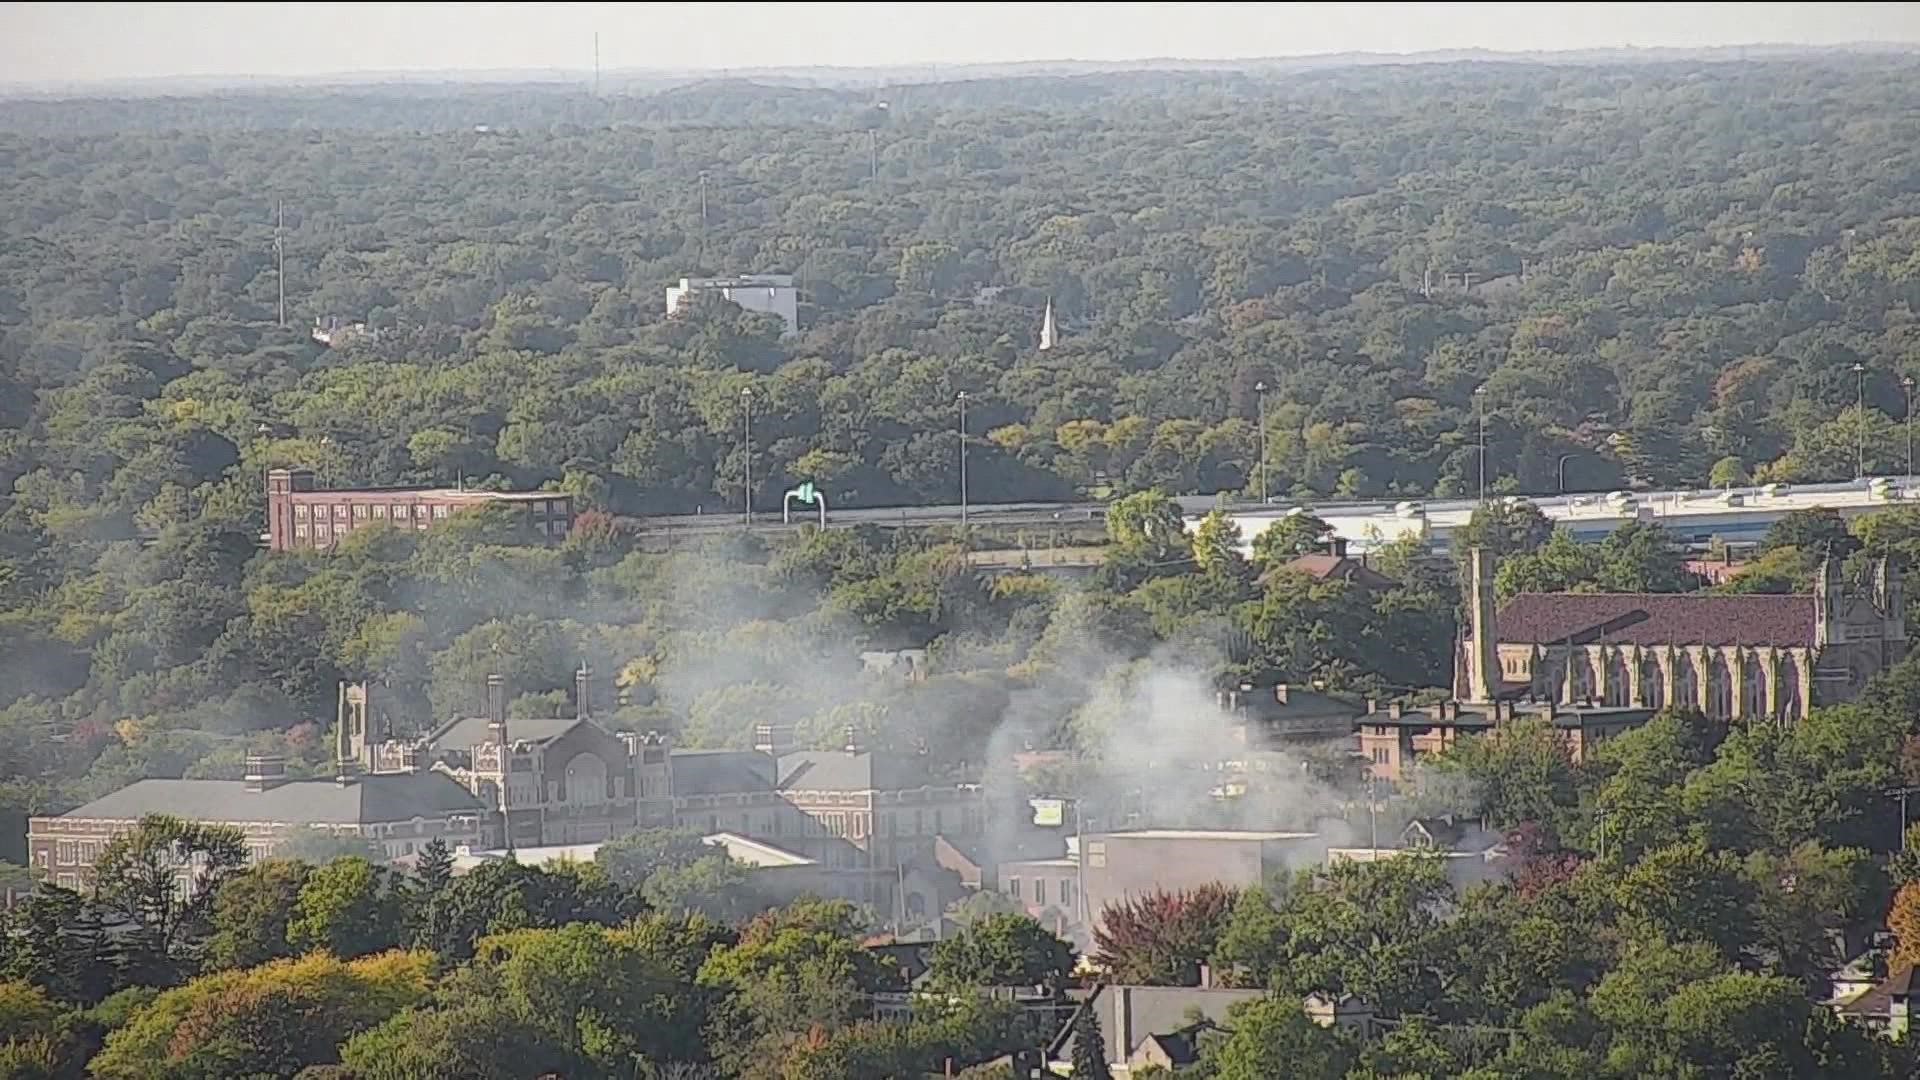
1048	332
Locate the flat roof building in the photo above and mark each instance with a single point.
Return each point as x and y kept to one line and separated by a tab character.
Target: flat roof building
770	294
304	516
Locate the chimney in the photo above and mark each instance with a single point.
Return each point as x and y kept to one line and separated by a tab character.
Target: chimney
497	709
1121	1048
1395	711
1280	693
763	740
583	693
1483	661
1206	977
853	742
265	771
1339	545
1373	706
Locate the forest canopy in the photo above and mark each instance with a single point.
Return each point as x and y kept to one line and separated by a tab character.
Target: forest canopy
1663	273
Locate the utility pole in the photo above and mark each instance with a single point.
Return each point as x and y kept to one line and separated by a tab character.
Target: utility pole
1907	385
280	258
1373	817
873	155
1480	413
1860	420
703	220
746	405
1901	793
962	399
1260	409
596	63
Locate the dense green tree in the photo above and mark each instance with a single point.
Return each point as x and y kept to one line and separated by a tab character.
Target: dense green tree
631	859
1273	1037
1003	950
1297	533
251	911
1504	527
138	878
271	1020
348	907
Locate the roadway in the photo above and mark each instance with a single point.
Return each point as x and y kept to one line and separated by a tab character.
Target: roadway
1695	516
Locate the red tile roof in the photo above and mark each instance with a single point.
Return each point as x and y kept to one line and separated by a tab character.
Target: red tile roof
1657	619
1327	567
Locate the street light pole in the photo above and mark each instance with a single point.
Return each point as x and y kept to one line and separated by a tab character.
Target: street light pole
1907	385
1480	412
1260	392
1860	421
962	399
746	403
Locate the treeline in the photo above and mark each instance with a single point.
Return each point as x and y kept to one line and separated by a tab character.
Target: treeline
349	970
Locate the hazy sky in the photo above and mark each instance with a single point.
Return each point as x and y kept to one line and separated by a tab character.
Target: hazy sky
79	42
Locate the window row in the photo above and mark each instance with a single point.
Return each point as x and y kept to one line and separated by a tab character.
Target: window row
75	852
369	511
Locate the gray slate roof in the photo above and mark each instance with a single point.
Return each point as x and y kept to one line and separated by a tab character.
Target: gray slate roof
720	772
838	770
376	798
1153	1010
470	731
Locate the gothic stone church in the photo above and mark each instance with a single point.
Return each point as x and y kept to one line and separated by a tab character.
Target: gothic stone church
1737	658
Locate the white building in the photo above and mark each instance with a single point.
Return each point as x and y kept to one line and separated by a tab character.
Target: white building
773	294
1735	516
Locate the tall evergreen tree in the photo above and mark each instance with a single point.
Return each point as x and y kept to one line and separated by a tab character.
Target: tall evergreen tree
435	868
1089	1046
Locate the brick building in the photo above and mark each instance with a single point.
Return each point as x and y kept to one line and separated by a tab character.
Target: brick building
1742	658
1394	737
549	780
302	516
568	780
1283	714
399	813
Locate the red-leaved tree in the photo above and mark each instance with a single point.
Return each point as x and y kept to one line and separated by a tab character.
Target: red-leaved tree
1162	938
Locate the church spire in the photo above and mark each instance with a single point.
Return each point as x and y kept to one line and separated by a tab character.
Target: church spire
1049	333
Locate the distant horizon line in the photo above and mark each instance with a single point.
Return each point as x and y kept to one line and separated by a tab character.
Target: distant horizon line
867	74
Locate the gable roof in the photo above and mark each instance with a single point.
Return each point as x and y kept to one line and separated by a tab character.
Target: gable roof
470	731
839	770
1657	619
1292	702
720	772
1877	1001
1182	1047
381	797
1151	1010
1323	567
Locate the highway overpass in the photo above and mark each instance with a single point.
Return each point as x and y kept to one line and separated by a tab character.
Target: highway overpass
1695	517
